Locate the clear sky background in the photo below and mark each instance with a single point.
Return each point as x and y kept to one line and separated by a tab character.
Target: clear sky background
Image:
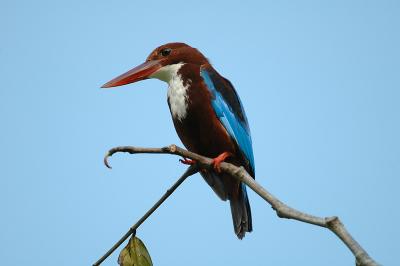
320	82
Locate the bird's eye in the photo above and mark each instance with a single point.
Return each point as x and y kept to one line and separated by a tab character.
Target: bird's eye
165	52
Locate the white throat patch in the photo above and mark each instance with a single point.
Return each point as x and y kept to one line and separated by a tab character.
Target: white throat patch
177	92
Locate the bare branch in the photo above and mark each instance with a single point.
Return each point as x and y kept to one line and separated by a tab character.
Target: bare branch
282	210
132	231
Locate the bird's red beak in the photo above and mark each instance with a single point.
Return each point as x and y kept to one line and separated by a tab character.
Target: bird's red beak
140	72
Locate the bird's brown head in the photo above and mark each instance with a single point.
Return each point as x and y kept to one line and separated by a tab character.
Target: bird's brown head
160	63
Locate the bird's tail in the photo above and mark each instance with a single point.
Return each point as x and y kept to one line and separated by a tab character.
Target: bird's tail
241	212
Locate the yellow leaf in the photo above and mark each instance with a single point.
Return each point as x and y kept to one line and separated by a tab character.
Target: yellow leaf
135	254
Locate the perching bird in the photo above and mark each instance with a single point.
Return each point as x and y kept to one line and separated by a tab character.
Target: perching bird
208	117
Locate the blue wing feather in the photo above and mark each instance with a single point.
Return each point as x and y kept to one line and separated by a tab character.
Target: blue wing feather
234	121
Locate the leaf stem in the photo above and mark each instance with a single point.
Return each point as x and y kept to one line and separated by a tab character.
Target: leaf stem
193	169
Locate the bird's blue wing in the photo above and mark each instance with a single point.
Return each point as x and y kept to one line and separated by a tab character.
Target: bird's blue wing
229	110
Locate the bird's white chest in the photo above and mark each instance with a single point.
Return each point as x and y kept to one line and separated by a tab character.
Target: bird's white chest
177	91
177	98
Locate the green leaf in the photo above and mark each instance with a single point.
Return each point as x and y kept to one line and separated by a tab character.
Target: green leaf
135	254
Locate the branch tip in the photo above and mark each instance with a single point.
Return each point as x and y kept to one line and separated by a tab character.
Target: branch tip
105	160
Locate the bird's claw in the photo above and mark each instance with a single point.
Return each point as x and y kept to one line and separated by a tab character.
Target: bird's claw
219	159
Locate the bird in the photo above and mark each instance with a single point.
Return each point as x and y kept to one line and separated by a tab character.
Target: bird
208	116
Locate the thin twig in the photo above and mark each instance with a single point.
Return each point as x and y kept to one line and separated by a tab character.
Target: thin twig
132	231
282	210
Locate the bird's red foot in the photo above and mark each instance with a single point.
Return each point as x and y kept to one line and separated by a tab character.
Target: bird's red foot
187	161
219	159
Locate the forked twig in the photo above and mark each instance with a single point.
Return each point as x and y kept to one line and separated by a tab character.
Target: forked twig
282	210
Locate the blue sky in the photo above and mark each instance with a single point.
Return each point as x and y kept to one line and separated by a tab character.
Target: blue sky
320	84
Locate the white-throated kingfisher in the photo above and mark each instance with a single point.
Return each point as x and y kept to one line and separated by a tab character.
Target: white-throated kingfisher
208	117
